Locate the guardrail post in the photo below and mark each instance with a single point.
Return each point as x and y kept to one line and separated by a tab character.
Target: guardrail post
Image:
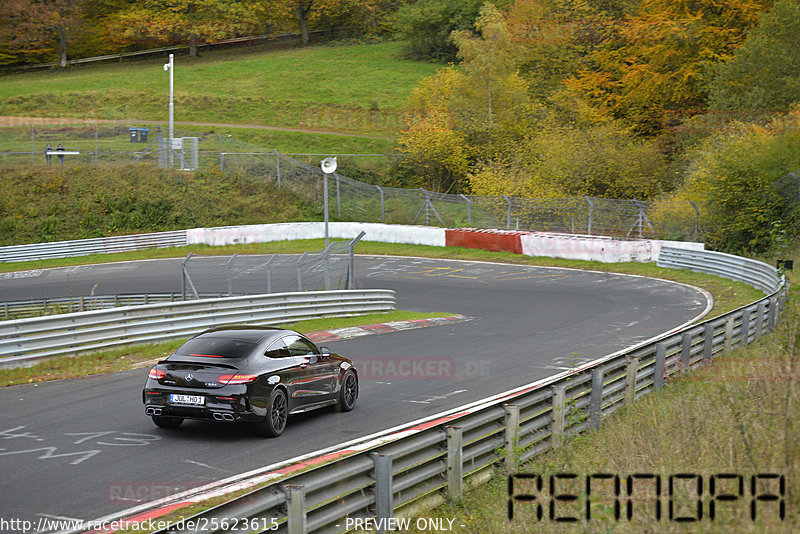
773	313
558	416
296	509
728	333
760	319
686	351
744	337
596	405
661	366
708	343
631	370
384	493
455	480
512	436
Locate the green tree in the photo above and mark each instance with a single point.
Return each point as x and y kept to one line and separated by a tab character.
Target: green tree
483	106
739	176
764	74
426	27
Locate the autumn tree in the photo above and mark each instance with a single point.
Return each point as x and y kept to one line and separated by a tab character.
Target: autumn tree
764	74
179	21
477	110
656	63
306	12
38	27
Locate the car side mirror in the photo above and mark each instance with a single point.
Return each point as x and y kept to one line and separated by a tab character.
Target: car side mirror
325	351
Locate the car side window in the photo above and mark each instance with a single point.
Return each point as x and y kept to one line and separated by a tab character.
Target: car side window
299	346
277	350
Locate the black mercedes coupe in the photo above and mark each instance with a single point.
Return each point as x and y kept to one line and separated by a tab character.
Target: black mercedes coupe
256	374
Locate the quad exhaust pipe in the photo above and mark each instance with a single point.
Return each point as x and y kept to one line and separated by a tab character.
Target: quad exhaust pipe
152	411
228	417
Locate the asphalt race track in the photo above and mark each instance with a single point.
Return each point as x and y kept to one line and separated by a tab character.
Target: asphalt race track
83	448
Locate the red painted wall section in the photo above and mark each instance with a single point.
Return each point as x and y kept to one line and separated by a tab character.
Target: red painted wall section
495	240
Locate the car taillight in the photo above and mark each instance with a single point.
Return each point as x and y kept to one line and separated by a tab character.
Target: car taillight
236	379
157	374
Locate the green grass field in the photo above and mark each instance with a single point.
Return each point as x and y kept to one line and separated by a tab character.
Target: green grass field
356	89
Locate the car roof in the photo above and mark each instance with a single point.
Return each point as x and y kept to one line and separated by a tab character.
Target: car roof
254	334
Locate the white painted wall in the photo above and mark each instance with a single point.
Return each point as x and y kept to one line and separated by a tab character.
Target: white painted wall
264	233
597	248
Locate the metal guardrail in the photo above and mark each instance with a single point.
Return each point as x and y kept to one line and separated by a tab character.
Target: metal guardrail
20	309
98	245
755	273
380	481
24	341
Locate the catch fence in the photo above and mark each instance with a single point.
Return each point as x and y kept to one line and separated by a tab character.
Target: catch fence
350	199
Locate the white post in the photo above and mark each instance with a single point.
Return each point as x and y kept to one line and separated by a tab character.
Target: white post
171	68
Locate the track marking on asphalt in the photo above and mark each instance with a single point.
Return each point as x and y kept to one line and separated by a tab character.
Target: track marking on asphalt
432	398
207	466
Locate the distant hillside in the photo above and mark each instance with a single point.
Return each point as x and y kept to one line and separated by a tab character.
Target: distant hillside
354	89
52	204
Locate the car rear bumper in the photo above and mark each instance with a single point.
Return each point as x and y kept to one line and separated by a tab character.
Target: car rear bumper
226	409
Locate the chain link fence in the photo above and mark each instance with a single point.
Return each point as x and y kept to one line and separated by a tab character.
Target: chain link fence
328	269
350	200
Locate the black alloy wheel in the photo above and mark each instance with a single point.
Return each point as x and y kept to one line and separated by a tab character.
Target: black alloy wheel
277	414
348	393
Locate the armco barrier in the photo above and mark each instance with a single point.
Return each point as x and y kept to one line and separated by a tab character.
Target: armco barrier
755	273
554	245
85	247
24	341
387	474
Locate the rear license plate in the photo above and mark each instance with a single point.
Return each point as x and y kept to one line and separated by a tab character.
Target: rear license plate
191	400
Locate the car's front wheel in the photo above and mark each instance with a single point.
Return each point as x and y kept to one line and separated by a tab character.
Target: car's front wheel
348	393
163	421
277	414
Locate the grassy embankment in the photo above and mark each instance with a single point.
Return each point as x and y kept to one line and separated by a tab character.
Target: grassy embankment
738	416
356	89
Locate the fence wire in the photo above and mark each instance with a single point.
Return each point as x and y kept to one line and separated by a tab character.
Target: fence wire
349	199
327	269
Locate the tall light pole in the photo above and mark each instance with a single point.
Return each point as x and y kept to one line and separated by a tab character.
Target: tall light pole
171	68
328	166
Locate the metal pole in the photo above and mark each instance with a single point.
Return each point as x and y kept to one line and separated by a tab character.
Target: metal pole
338	198
469	208
591	215
596	401
511	436
296	509
221	161
278	168
171	107
508	215
96	151
383	211
32	143
455	480
325	202
384	505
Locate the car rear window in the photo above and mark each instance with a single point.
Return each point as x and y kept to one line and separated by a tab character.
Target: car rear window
216	347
